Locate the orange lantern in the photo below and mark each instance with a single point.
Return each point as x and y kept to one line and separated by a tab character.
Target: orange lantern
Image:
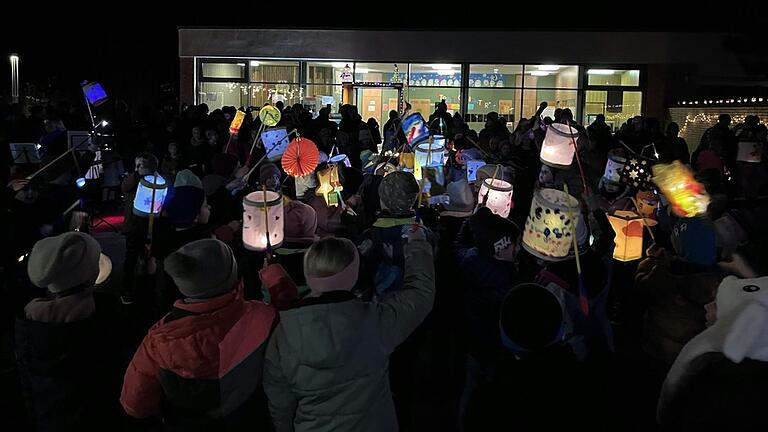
628	227
234	127
301	157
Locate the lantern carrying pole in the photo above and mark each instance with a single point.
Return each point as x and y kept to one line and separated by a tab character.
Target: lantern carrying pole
266	216
255	140
583	301
248	174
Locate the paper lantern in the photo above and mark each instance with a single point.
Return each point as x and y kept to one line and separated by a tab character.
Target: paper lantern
628	227
637	173
613	168
427	154
497	196
301	157
406	160
472	167
558	148
686	196
548	228
749	151
234	127
330	184
269	115
257	221
647	201
150	195
415	129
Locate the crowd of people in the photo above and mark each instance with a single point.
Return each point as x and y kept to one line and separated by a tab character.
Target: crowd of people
395	303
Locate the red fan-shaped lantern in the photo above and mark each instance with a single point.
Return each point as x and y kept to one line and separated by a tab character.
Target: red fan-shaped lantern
301	157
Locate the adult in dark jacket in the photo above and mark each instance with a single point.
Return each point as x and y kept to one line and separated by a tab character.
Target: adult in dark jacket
672	147
394	137
64	352
327	362
200	367
718	381
600	135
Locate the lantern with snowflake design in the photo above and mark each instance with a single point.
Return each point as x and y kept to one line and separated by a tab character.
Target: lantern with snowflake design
150	196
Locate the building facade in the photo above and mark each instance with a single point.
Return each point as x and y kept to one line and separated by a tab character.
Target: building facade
616	74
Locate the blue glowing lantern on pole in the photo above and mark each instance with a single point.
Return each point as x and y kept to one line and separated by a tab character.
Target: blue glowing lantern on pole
150	196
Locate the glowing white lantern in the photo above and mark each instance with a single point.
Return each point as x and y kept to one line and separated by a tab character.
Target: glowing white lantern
497	196
558	147
257	222
427	154
548	228
150	195
613	168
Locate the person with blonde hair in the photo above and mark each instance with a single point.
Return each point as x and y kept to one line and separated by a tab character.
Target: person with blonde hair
327	361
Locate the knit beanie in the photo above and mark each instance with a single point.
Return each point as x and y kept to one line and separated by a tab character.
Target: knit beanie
64	261
202	269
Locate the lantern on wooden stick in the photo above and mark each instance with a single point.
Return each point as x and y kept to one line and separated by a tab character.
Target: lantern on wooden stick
558	148
262	220
496	194
548	228
150	196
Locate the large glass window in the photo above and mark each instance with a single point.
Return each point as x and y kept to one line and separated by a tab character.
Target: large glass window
551	76
615	93
431	83
324	84
223	70
613	77
618	106
273	81
494	88
220	94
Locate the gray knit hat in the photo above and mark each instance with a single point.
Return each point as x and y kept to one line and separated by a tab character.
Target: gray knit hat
398	192
187	178
202	269
65	261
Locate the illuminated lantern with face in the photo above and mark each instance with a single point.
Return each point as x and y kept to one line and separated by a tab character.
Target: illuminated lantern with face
548	228
686	196
150	196
628	227
257	222
559	145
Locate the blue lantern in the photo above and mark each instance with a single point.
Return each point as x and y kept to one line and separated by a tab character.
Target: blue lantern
150	196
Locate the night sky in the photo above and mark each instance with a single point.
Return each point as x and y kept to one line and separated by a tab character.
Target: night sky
133	56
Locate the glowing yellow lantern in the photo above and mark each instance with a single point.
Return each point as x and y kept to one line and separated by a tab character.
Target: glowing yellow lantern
687	197
559	145
330	184
548	228
628	227
269	115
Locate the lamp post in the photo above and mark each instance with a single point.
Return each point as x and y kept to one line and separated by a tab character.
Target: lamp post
14	58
